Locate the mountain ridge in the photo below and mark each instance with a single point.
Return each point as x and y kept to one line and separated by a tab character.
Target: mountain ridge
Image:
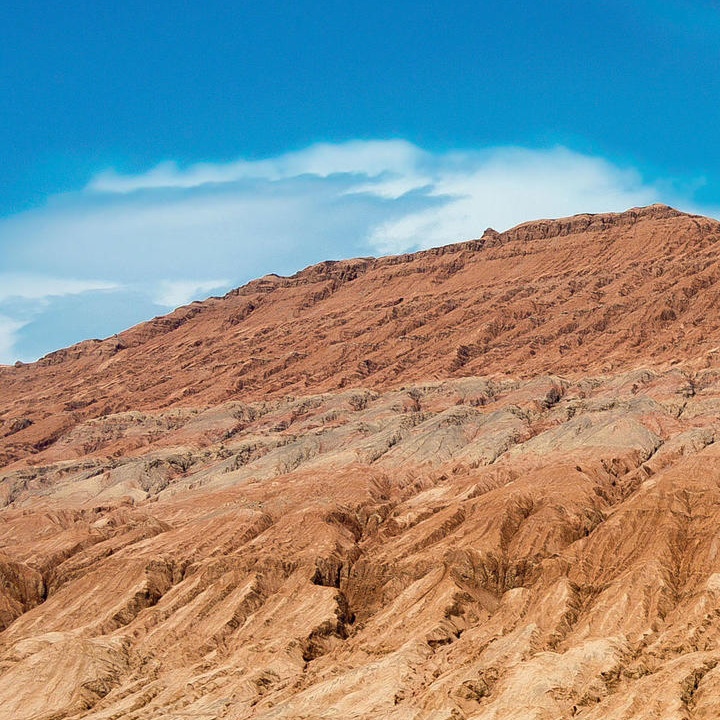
645	286
479	483
526	231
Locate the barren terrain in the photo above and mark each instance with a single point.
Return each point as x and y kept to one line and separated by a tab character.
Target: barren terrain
477	482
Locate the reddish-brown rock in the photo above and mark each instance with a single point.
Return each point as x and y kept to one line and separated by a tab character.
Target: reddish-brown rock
480	481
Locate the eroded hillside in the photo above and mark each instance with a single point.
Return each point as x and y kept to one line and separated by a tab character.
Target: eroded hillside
362	502
586	294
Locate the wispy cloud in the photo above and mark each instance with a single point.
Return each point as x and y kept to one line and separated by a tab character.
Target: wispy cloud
27	286
8	337
358	157
173	293
166	235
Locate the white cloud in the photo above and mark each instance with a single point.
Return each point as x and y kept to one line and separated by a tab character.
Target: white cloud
27	286
360	157
173	293
465	191
8	331
152	232
507	186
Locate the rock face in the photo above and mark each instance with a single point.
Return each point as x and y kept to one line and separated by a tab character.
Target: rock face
480	481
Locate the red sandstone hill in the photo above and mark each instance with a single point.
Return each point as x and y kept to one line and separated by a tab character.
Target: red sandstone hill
590	293
476	482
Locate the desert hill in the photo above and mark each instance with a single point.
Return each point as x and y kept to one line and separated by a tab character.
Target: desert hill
587	294
475	482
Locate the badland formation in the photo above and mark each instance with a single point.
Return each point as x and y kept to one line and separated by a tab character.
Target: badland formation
476	482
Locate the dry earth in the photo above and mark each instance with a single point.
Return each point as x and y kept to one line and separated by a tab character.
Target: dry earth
478	482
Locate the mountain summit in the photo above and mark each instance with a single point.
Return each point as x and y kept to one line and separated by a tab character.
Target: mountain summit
480	481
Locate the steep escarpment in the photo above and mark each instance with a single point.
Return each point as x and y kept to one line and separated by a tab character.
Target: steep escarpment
477	482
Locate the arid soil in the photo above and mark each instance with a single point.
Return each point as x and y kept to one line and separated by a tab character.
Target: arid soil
478	482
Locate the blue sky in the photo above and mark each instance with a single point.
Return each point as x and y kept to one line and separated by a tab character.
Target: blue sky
153	153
